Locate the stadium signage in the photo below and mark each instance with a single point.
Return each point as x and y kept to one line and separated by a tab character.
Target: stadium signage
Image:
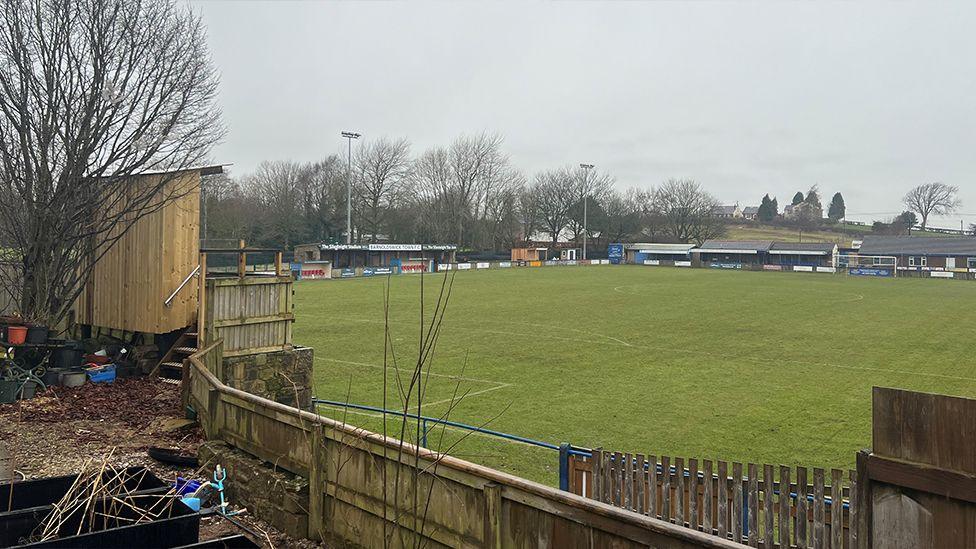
682	263
313	270
772	267
652	262
348	273
368	271
383	270
394	247
725	265
504	264
826	269
414	268
463	266
803	268
444	267
866	271
482	265
941	274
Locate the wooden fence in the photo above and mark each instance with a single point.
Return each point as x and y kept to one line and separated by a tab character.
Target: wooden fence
251	312
367	490
763	506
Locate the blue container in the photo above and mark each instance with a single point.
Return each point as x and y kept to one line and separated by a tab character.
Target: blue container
104	374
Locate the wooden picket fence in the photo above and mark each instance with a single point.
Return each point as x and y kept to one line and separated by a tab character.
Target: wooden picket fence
759	505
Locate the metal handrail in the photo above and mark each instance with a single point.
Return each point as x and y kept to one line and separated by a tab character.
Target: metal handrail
172	296
440	421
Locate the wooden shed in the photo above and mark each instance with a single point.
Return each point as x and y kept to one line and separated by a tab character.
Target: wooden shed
129	286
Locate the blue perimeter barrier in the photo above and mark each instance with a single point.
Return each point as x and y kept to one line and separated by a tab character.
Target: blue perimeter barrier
565	449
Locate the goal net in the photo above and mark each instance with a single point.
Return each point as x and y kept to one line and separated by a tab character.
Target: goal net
868	265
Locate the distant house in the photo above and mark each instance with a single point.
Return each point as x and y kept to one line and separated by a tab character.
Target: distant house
727	212
791	211
924	253
751	212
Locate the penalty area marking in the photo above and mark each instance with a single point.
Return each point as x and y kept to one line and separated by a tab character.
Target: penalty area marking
496	384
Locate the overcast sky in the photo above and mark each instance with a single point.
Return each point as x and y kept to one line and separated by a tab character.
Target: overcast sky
746	98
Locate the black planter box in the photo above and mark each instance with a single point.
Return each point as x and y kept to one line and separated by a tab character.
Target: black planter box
181	526
48	491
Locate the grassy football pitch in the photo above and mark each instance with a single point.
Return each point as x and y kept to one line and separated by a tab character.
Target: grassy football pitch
740	366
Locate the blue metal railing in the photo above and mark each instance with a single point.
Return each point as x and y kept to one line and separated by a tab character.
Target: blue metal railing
565	450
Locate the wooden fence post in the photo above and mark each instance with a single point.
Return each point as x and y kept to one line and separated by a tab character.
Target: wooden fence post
316	483
862	530
493	515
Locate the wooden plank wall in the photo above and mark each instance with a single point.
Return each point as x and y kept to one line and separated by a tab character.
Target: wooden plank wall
250	314
920	476
128	286
761	506
370	491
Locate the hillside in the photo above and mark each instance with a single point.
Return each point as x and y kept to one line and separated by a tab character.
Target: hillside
787	234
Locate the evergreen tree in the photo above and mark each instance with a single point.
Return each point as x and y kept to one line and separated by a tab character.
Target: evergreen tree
767	209
797	198
775	205
837	210
813	199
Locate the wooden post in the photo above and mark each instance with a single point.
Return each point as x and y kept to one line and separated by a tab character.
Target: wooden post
241	259
493	515
278	264
862	530
596	474
202	302
316	483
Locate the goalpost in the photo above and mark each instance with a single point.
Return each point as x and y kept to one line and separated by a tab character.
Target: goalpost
868	265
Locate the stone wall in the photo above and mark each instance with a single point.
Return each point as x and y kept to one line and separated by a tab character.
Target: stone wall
273	495
281	376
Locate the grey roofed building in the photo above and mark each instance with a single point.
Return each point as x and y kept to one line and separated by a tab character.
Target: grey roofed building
750	211
803	248
917	245
735	246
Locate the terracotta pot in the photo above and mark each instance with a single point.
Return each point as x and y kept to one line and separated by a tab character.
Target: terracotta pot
16	335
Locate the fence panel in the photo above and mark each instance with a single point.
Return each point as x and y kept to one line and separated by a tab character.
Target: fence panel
758	505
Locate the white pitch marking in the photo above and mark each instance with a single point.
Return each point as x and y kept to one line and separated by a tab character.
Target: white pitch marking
497	384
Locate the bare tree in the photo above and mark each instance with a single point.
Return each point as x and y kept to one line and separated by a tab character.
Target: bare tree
592	185
932	199
92	92
432	191
688	211
278	188
553	195
382	168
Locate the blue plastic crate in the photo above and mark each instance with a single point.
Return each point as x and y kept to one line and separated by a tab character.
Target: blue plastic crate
104	374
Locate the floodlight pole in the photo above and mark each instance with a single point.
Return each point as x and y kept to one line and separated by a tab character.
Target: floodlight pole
586	169
349	137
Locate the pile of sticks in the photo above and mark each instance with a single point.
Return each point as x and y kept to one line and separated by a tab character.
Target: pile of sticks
99	499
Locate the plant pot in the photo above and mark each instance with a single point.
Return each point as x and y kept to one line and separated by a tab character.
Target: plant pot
53	376
27	390
37	334
69	356
16	335
8	391
74	378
